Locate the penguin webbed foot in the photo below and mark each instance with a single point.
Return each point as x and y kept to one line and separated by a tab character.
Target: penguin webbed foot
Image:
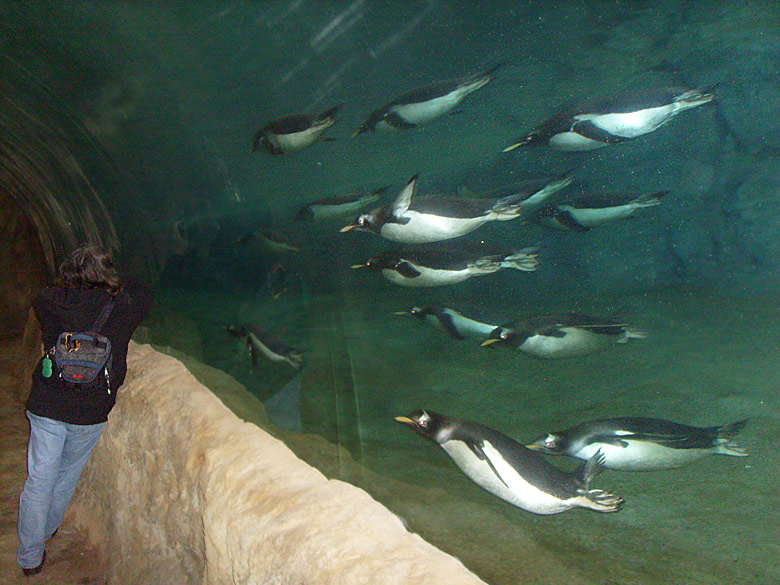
604	501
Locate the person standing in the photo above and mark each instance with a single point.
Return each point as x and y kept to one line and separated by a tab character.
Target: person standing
66	420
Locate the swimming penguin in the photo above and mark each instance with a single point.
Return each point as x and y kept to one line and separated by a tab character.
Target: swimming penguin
444	266
262	342
562	336
587	213
450	321
510	471
615	120
640	443
344	207
425	104
292	134
434	219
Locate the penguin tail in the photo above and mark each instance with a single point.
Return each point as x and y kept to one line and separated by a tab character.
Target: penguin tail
487	73
598	500
732	429
591	468
650	199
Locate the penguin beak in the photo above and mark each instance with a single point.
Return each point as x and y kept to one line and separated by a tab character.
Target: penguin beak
401	313
347	228
488	342
534	447
359	266
508	148
406	420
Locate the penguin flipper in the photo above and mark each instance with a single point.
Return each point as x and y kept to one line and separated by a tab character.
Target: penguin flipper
447	324
551	331
396	121
566	219
608	440
480	453
404	199
590	130
407	270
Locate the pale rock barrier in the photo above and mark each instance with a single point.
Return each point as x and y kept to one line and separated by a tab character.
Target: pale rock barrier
180	490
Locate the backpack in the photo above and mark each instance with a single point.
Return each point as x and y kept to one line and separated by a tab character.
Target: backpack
80	356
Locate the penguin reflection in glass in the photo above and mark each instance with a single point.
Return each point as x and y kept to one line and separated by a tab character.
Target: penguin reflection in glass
425	104
640	443
584	213
292	134
510	471
433	219
260	342
614	120
562	336
421	267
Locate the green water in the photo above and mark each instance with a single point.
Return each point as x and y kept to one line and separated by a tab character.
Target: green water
708	359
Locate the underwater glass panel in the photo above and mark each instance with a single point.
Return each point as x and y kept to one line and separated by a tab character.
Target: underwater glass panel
523	216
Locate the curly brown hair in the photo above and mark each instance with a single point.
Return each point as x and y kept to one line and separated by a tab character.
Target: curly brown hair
90	266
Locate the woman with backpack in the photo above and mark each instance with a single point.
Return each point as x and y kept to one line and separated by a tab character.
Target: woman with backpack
66	417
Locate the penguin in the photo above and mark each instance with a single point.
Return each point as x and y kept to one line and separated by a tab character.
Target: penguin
261	342
450	321
331	208
615	120
531	193
562	336
587	213
425	104
510	471
445	266
640	443
434	219
292	134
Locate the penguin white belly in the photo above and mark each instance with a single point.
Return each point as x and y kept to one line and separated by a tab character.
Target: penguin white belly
422	228
514	489
573	142
469	327
576	342
631	124
270	355
423	112
296	141
641	455
596	217
427	277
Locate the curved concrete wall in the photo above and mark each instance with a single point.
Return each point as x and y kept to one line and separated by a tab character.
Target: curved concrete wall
180	490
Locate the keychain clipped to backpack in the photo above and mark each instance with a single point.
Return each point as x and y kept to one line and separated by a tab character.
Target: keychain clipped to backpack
46	366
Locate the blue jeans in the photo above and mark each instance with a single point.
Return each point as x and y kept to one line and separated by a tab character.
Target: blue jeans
56	456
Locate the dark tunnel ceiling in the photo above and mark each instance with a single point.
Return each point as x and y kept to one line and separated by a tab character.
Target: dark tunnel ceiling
122	119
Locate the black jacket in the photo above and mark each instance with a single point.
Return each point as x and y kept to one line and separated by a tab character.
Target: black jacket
70	309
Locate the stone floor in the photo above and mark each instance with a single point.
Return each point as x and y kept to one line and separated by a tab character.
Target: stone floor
69	560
